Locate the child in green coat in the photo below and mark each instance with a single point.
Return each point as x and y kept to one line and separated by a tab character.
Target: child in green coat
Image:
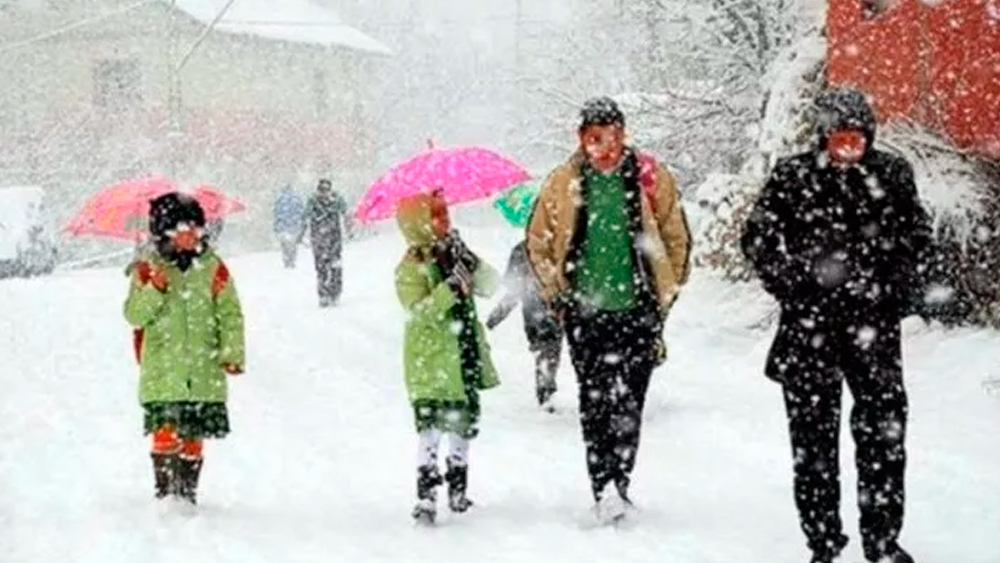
446	356
188	325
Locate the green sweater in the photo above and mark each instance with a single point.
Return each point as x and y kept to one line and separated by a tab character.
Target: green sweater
606	276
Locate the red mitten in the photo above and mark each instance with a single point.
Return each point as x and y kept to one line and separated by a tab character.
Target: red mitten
143	271
159	279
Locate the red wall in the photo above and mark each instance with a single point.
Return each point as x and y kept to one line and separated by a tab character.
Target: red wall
938	65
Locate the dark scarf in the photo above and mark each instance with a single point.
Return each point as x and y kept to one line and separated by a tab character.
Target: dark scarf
180	258
448	253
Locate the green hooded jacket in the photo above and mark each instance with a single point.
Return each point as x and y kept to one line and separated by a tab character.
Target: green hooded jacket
431	354
189	332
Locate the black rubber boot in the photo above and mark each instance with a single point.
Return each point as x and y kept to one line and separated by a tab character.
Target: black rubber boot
892	554
458	483
165	474
187	479
428	480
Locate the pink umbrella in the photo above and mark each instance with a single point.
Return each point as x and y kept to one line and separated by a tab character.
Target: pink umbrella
462	174
120	210
215	203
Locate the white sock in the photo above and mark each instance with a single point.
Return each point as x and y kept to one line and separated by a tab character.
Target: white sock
459	450
428	449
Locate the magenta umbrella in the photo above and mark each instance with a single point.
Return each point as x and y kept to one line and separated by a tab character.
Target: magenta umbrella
462	174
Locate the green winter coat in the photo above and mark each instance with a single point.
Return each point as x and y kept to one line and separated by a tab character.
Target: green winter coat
189	332
431	357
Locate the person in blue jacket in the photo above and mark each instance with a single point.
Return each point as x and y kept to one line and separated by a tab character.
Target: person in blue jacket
289	223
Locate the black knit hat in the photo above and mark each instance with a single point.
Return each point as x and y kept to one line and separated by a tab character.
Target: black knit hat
170	210
841	108
601	111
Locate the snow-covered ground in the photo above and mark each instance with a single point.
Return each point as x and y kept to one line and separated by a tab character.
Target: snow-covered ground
320	466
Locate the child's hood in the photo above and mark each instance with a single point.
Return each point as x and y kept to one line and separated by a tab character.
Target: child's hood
414	217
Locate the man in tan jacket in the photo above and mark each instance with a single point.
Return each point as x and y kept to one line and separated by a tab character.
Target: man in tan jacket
610	247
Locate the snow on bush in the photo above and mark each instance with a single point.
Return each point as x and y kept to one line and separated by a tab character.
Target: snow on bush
727	199
962	194
793	81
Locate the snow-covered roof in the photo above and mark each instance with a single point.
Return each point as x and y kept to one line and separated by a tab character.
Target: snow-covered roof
300	21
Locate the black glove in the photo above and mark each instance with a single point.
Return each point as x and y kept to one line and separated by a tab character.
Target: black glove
450	251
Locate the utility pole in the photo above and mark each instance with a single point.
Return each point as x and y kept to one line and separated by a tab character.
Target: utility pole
175	106
175	130
518	26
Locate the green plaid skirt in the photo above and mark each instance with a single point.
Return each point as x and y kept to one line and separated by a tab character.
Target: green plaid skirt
193	420
447	416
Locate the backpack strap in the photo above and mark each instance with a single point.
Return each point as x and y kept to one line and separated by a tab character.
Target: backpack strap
138	339
221	279
647	178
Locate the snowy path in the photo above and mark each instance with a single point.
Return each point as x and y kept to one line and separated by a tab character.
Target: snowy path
320	465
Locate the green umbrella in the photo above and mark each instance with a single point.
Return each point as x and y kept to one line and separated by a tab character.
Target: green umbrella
517	203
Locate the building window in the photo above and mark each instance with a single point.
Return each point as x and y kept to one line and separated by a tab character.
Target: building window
321	94
117	84
874	8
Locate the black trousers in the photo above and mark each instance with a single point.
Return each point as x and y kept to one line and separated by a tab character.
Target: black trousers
869	360
612	355
329	273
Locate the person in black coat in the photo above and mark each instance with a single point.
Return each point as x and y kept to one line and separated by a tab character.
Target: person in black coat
544	333
325	216
839	238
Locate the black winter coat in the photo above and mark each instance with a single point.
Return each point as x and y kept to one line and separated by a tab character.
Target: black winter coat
325	215
837	244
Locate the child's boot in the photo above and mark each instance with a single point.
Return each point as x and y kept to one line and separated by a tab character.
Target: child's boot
187	482
428	479
165	474
458	483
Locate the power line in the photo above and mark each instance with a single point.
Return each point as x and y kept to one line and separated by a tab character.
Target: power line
73	26
208	29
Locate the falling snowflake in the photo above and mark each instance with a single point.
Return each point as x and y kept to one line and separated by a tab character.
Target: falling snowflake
866	336
938	293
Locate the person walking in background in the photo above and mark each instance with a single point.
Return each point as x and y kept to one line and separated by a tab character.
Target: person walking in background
446	358
839	237
289	224
325	218
609	245
182	301
543	331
